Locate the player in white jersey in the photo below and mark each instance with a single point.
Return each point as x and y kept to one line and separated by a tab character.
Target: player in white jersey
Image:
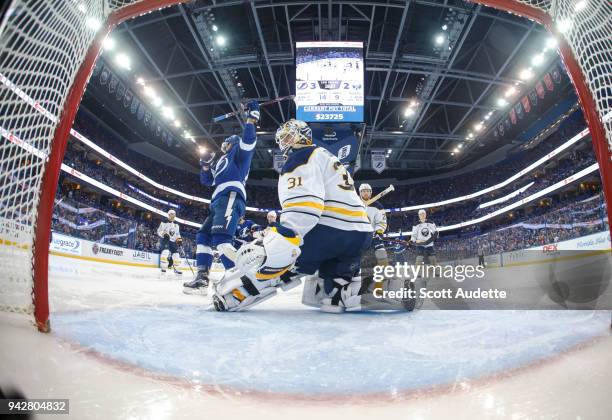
378	220
423	236
323	230
170	235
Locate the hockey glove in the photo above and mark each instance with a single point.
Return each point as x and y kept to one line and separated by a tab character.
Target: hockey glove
166	236
179	241
252	111
206	160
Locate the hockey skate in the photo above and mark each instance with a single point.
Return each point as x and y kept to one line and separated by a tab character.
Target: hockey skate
198	286
177	271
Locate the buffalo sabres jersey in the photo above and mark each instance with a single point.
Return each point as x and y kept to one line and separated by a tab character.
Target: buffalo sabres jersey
315	188
169	228
231	171
377	217
426	232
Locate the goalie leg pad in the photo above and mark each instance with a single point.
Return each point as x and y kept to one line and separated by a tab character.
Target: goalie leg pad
344	296
313	292
241	293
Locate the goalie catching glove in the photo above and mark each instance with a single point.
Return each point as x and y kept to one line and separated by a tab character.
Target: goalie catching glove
261	267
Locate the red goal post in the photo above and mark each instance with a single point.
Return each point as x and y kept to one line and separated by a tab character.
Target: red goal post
48	50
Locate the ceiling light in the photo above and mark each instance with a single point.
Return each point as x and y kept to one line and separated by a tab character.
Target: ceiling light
149	92
564	25
215	28
413	103
501	102
440	38
478	127
486	117
220	40
580	5
389	151
511	91
453	154
109	43
140	81
461	145
82	8
156	101
456	150
444	27
408	112
537	59
123	60
202	150
177	123
93	23
551	42
167	112
526	74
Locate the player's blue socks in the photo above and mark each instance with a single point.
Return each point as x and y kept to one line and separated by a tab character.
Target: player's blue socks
204	256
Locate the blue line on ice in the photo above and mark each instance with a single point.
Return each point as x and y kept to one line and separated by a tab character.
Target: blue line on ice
307	352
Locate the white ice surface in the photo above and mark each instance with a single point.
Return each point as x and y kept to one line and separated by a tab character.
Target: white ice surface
127	343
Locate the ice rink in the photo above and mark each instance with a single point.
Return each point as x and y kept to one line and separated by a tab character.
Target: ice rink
128	344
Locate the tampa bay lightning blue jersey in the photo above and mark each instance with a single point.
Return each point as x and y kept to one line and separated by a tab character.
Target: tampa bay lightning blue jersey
232	170
244	230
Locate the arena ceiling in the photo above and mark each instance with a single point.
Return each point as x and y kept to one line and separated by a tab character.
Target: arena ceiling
455	80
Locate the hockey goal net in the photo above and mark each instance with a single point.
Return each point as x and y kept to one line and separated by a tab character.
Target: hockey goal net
48	50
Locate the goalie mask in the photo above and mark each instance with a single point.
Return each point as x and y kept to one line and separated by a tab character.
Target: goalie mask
293	133
271	256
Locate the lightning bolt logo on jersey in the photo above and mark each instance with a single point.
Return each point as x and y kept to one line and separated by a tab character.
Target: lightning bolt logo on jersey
231	172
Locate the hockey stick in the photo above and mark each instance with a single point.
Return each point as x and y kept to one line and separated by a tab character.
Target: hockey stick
266	103
187	259
380	194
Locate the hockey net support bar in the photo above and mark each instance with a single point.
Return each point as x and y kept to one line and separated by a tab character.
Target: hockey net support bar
49	50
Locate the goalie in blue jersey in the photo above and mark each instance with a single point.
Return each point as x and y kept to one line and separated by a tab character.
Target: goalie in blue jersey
228	203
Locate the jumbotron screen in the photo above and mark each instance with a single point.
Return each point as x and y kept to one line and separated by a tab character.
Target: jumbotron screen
329	81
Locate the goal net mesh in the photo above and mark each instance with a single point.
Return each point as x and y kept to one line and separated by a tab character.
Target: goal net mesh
586	25
44	43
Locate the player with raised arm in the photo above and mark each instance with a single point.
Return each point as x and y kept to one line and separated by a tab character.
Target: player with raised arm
323	229
228	203
170	235
423	236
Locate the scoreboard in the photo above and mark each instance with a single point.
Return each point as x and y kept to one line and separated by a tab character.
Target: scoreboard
329	81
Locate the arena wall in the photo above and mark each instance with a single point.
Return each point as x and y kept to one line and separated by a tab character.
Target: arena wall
67	246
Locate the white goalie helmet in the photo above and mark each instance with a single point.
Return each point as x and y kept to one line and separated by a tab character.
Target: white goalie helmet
292	133
271	256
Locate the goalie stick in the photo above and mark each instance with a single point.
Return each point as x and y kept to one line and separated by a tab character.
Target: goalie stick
380	195
270	102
